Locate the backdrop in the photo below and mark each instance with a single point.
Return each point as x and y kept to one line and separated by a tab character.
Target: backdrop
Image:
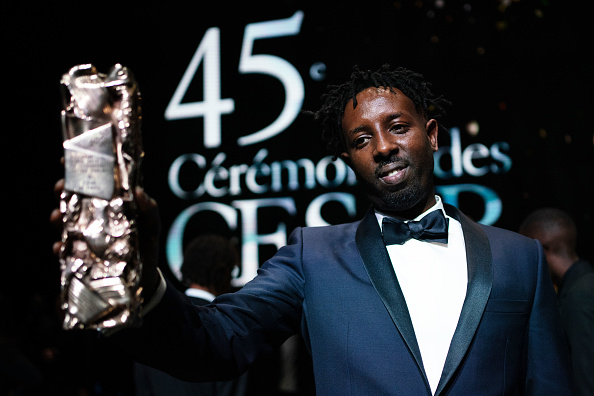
227	147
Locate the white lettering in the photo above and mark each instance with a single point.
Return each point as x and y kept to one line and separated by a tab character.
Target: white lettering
174	171
463	161
214	174
455	153
491	200
475	151
313	214
251	239
498	155
260	177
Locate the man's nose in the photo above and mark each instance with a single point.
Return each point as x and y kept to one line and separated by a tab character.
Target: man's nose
385	146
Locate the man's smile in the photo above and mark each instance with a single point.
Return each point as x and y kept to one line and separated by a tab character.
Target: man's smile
392	173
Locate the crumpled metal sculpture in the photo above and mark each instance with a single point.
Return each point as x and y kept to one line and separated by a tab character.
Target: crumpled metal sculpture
100	261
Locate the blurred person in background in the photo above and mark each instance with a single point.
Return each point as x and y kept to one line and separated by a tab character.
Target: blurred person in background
574	280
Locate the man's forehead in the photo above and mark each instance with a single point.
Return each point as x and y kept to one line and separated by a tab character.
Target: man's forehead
543	233
381	90
391	94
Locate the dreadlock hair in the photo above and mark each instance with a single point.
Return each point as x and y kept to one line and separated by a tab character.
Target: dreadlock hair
412	84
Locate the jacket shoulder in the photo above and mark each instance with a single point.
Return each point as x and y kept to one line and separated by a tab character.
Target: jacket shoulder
329	232
495	235
502	235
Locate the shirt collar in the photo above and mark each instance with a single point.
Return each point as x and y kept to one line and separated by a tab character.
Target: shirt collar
199	293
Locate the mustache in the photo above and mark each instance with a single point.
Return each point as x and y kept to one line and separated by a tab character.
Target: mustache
393	162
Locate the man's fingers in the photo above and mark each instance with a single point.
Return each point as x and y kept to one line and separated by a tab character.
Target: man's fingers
59	187
149	226
148	213
56	217
57	247
143	200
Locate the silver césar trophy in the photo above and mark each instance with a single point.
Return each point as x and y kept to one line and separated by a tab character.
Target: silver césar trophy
100	262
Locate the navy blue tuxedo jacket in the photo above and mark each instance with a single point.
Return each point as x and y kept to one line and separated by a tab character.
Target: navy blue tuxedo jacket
336	285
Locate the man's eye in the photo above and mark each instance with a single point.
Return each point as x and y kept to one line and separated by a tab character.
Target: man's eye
399	128
360	141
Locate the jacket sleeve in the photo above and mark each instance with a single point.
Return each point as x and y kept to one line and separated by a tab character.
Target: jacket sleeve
219	341
548	366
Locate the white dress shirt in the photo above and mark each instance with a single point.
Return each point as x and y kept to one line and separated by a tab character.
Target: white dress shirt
199	293
433	278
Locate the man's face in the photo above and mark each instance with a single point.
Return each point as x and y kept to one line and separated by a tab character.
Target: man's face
390	148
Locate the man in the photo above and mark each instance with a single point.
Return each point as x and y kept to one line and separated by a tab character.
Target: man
466	310
574	279
209	261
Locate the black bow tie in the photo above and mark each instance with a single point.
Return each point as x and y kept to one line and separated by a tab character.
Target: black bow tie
433	227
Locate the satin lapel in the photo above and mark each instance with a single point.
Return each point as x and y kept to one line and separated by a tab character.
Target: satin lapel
480	280
379	268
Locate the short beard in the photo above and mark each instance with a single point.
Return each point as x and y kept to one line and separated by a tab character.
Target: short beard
410	198
396	201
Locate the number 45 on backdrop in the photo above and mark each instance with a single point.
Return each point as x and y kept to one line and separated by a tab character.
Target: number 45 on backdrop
213	106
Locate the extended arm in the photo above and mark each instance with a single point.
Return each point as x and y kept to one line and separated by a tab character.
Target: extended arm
220	341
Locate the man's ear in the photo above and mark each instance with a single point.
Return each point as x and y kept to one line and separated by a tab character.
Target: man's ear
432	128
346	158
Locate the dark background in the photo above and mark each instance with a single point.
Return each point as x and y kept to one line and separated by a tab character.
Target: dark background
519	68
